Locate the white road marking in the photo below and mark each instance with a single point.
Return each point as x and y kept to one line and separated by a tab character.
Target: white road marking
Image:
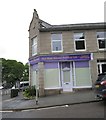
28	110
66	105
5	111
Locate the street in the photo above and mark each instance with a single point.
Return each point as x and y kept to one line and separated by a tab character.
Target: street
88	110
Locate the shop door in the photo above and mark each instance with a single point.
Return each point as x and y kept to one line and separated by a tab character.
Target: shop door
66	76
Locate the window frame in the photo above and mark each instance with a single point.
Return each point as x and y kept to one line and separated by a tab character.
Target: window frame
34	45
101	38
79	40
54	40
99	66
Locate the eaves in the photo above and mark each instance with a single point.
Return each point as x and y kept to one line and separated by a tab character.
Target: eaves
70	27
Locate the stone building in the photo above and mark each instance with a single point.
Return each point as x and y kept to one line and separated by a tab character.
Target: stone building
67	57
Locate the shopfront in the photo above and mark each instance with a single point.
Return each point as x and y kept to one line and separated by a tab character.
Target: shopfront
66	71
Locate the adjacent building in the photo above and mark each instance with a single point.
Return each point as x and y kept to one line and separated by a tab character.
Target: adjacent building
67	57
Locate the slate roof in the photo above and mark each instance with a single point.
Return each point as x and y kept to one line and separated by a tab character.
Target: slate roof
46	27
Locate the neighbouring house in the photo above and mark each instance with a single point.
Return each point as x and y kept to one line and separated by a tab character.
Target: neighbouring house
66	57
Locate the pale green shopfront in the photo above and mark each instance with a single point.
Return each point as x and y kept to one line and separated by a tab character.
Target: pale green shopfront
62	73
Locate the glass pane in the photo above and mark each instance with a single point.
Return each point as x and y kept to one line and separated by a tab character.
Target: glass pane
80	45
65	65
34	49
57	46
66	76
56	36
34	41
101	34
98	68
102	43
103	67
79	36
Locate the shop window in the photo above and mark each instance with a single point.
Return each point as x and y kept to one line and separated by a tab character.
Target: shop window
101	38
56	42
101	66
104	67
79	40
34	46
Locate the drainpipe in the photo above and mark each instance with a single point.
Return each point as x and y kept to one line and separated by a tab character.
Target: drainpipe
36	87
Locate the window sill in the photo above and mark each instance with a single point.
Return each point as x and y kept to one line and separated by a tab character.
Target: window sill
79	50
102	49
34	54
57	51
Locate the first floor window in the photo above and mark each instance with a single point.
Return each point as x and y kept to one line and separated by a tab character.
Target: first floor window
80	45
34	46
79	40
102	43
56	41
101	38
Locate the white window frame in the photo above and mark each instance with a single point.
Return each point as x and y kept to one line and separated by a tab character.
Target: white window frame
100	66
57	41
79	40
34	46
101	39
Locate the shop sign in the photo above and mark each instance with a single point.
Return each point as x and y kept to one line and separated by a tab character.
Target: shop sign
65	58
57	58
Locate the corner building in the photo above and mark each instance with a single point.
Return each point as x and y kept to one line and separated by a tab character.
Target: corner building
67	57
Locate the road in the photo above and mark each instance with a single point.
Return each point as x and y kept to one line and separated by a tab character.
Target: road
88	110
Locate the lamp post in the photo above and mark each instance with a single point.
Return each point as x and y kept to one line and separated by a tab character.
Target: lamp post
36	87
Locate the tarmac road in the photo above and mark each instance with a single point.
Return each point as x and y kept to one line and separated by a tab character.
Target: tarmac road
84	110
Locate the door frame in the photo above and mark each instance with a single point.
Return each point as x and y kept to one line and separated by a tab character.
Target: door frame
62	77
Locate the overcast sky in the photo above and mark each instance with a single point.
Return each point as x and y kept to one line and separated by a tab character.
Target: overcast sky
16	15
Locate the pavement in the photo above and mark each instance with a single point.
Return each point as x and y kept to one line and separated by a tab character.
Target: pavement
77	97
